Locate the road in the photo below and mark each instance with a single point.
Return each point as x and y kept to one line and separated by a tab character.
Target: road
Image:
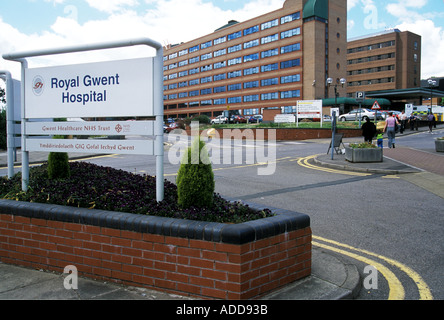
391	229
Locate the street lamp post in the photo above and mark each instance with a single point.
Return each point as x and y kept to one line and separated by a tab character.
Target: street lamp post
333	123
432	84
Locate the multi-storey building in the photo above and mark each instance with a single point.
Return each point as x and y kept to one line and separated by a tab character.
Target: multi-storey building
389	60
269	61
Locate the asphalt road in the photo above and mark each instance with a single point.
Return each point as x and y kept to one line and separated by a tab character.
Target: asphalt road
390	228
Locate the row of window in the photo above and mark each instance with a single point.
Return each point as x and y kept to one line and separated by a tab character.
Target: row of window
370	82
240	60
236	48
235	35
234	74
371	70
372	47
233	87
372	58
248	98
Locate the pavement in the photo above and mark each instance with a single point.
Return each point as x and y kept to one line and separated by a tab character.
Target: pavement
332	278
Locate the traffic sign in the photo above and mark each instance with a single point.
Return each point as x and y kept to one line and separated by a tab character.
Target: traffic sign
376	106
360	96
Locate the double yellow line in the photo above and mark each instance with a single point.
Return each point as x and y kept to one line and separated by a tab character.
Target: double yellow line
304	162
397	291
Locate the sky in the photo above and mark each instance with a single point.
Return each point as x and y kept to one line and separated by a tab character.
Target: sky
43	24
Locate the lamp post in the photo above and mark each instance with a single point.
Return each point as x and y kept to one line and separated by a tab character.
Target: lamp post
432	84
333	123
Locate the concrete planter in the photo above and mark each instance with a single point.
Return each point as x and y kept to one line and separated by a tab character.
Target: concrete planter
192	258
439	145
363	154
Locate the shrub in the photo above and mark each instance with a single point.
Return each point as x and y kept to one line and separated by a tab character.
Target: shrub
58	165
363	145
195	179
3	145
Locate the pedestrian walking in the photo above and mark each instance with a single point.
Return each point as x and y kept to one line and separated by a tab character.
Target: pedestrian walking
413	123
368	130
431	120
390	127
380	139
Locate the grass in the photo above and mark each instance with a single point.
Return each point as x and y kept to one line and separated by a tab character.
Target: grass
96	187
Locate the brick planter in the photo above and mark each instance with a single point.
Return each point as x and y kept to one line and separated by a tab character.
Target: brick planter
192	258
363	154
439	145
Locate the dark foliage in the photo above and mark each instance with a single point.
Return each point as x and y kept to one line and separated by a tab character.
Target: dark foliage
96	187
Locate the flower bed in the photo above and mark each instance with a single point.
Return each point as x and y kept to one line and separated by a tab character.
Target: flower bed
363	152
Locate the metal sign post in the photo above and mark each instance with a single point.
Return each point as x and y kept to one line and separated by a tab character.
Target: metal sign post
6	75
92	90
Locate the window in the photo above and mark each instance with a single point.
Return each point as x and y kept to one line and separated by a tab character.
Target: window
269	82
219	53
219	77
172	76
235	100
194	71
206	68
205	91
235	48
183	74
172	56
172	86
234	61
172	96
251	57
220	40
291	48
183	52
220	101
194	60
235	35
251	30
290	63
219	89
194	82
251	71
195	48
206	44
183	95
234	87
251	44
270	38
291	17
219	65
205	79
183	84
183	63
290	33
269	96
290	94
250	98
270	24
172	66
269	67
251	84
290	79
270	53
234	74
194	93
206	56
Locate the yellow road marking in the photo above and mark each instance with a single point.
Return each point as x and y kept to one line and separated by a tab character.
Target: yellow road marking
398	290
304	163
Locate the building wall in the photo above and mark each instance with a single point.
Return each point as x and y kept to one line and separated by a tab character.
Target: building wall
247	91
390	60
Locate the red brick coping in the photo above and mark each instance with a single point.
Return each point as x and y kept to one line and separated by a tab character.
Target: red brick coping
191	258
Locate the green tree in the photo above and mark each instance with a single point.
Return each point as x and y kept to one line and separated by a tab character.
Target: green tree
195	179
58	162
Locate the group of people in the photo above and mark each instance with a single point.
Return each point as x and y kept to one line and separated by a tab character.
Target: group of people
392	124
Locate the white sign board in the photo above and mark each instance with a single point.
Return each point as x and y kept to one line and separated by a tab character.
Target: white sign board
309	109
140	147
114	128
122	88
284	118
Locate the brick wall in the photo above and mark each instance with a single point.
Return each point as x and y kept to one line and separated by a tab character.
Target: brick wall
199	259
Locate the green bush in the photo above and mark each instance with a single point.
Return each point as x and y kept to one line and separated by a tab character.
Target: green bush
195	179
58	165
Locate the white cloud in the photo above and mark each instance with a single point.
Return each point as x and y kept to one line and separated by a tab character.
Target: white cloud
110	6
432	46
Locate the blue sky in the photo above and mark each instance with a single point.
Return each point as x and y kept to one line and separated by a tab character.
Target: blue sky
39	24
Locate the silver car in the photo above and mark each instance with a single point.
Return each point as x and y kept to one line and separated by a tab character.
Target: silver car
219	119
354	115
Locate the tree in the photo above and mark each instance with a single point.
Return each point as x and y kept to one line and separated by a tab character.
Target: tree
195	179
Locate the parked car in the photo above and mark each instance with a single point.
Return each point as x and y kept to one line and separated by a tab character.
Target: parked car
255	119
363	113
238	119
219	119
171	127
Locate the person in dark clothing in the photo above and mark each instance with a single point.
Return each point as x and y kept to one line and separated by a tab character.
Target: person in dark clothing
368	130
